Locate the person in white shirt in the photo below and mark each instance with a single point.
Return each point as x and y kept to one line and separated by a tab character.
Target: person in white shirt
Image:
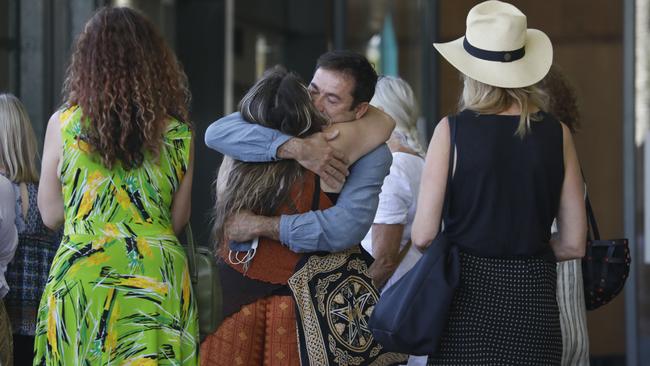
389	239
8	243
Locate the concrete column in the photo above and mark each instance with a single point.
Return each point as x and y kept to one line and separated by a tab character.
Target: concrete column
32	62
47	31
200	47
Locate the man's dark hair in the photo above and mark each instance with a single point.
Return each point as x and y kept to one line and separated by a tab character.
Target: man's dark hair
356	66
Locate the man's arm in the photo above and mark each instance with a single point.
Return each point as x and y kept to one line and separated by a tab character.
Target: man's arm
334	229
345	224
235	137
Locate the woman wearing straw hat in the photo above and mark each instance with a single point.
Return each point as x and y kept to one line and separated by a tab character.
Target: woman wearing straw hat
515	170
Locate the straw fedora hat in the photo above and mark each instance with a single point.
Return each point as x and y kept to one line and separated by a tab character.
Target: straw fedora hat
498	49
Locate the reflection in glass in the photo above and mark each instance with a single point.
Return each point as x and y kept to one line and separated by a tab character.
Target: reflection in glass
389	33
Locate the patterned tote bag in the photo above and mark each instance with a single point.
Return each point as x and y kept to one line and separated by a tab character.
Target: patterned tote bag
334	300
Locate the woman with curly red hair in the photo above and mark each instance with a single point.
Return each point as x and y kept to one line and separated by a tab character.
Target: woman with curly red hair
117	173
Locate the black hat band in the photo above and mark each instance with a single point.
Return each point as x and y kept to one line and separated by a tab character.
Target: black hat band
500	56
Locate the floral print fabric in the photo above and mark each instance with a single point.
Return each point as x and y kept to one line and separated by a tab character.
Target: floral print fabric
119	291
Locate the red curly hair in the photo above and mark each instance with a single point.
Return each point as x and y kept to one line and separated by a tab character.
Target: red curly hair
128	84
564	101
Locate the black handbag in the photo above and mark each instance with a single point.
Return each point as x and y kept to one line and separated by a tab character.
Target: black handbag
605	266
411	315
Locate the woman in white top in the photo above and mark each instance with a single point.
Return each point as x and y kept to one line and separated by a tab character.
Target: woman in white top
8	243
389	239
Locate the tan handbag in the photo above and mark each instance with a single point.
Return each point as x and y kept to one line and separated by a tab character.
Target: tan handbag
206	283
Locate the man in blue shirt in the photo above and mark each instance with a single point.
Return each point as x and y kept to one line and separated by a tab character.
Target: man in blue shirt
342	93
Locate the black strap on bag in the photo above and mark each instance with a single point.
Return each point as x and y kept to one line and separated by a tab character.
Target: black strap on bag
450	170
411	315
605	266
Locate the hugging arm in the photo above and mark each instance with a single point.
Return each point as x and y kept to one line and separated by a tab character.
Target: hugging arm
359	137
333	229
339	227
235	137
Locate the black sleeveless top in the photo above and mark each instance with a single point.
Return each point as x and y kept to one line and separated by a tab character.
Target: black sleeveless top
506	190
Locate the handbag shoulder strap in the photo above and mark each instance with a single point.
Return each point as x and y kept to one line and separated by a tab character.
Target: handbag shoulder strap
592	225
453	127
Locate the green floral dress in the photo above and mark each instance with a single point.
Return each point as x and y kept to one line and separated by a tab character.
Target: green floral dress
119	291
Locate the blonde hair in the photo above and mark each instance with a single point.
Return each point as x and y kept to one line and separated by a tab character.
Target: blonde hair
395	97
18	147
488	99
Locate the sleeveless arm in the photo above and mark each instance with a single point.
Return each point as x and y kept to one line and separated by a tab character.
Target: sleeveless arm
50	197
182	200
572	217
433	185
359	137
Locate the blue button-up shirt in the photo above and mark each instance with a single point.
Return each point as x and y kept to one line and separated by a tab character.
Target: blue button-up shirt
334	229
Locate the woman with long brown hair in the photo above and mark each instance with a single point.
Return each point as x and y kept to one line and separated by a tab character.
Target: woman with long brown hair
117	173
258	304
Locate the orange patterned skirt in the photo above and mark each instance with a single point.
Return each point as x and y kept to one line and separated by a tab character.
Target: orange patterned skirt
261	333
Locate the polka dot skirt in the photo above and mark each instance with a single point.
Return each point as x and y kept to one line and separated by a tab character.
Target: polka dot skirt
504	312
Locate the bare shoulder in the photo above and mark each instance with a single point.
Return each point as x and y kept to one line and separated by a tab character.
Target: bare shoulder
565	128
567	136
442	126
53	139
56	117
441	132
54	123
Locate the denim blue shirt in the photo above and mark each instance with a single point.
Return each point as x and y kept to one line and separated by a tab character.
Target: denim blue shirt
334	229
